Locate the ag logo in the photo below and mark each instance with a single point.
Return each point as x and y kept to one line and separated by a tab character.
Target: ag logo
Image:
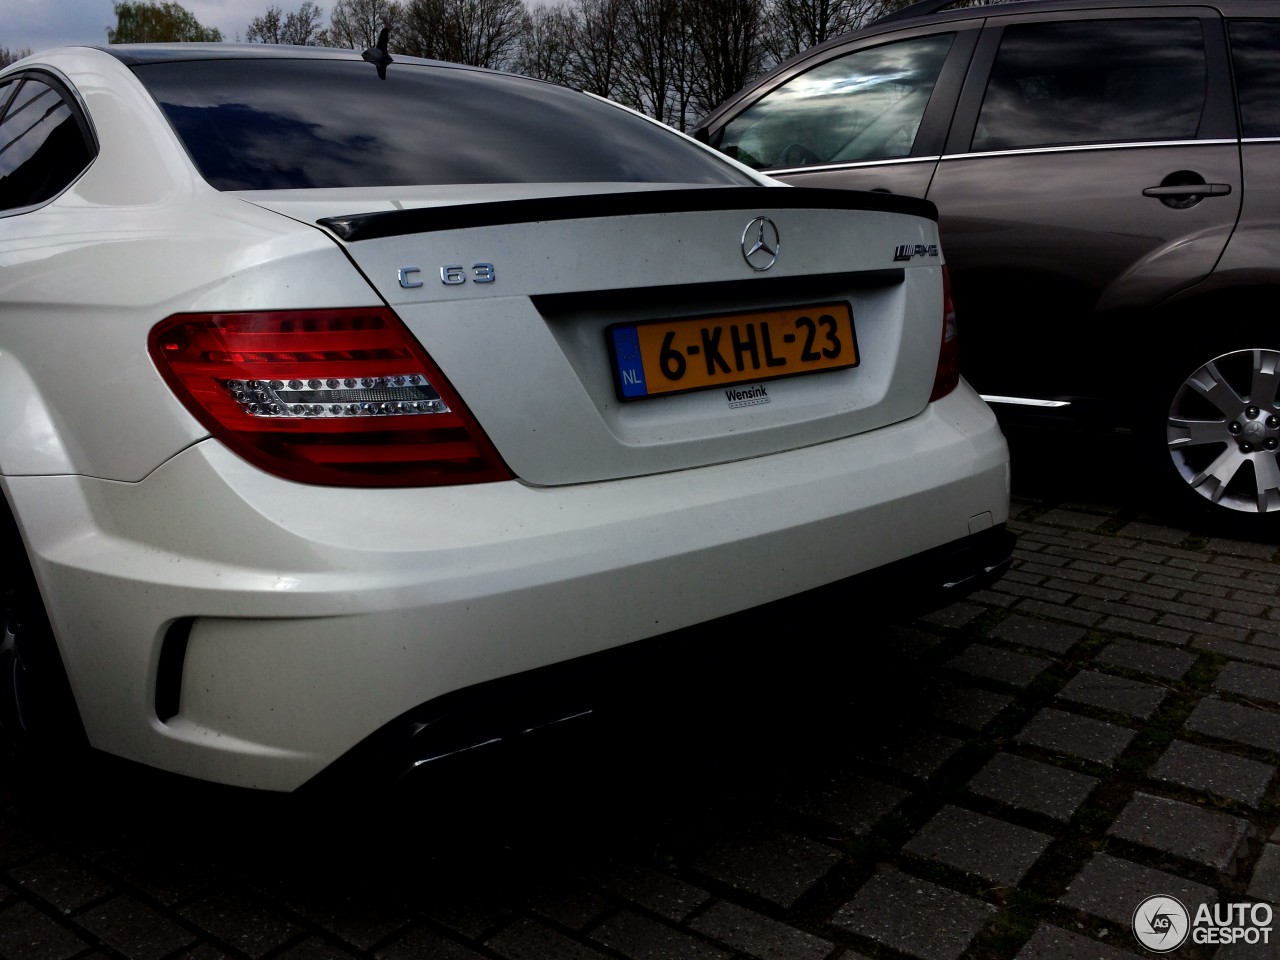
1161	924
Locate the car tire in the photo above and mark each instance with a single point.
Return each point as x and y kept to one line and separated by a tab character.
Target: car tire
38	714
1214	433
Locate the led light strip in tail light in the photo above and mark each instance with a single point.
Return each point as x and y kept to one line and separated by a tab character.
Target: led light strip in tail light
340	397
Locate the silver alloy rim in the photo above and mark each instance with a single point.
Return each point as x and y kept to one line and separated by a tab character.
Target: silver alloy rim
1224	431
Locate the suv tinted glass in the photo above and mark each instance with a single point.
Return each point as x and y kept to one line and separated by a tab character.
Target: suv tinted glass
1093	82
260	124
1255	55
42	149
863	106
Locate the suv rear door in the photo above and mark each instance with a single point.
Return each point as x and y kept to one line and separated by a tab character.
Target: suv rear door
1093	165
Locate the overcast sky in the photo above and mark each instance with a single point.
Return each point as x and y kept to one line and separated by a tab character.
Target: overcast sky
36	25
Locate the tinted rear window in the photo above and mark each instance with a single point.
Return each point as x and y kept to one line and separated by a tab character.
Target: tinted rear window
1255	52
259	124
1094	82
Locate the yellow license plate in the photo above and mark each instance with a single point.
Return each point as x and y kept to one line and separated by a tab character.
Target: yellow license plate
672	356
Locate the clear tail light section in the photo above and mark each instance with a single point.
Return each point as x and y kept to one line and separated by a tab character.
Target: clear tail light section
339	397
948	376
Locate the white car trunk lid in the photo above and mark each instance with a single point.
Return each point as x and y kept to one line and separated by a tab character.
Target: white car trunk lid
526	305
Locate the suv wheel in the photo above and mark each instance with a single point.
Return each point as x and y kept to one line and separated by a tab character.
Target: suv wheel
1221	436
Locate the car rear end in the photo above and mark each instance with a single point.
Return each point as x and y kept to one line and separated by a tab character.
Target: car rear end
580	384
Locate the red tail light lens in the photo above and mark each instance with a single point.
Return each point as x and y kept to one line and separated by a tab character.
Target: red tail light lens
948	376
340	397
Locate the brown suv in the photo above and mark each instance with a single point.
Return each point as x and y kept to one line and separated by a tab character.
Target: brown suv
1108	177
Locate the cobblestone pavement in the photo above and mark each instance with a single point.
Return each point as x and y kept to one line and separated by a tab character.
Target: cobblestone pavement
1004	779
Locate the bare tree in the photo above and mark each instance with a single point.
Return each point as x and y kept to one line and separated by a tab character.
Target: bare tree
602	42
357	23
653	59
726	38
8	56
303	28
482	33
792	26
551	38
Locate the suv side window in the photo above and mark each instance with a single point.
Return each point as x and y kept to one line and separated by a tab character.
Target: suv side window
1098	81
42	147
1255	49
866	105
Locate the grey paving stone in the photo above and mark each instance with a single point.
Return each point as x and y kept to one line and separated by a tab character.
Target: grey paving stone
850	802
63	881
955	615
1250	951
1254	682
917	753
28	934
1119	694
1207	837
980	845
634	935
1073	519
249	925
575	908
1111	888
1003	666
914	916
1054	943
167	880
1032	785
423	943
528	940
135	929
1214	772
1076	736
360	918
1156	661
760	936
1239	724
964	705
1265	882
1041	634
780	869
313	948
657	892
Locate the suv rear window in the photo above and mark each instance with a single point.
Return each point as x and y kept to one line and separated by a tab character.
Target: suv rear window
264	124
1094	82
1255	55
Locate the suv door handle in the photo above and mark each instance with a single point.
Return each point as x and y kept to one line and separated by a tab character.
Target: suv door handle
1189	190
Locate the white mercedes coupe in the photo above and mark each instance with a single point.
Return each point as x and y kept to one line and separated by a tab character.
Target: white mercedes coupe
350	402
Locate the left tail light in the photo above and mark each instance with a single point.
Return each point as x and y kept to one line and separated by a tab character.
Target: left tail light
339	397
947	377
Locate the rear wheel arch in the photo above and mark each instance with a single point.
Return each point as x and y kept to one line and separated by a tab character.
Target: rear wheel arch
38	710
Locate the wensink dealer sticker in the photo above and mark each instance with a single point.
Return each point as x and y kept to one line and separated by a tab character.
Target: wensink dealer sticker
1162	924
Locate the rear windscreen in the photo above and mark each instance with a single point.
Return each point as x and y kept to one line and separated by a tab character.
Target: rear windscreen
278	124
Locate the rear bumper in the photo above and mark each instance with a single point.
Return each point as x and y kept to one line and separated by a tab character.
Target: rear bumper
629	681
231	626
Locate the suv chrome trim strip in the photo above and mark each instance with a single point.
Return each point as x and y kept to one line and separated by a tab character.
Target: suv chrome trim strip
1025	401
823	167
1080	147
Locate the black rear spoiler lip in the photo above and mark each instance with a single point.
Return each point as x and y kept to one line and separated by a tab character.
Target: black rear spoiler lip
752	200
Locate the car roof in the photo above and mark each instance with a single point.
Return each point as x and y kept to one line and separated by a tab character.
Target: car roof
134	54
940	11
